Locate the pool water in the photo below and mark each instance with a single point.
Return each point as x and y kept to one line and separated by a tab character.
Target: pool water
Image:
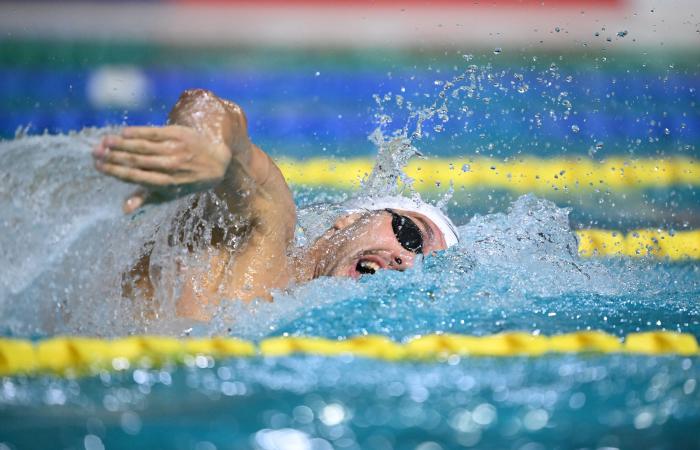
323	403
65	244
516	270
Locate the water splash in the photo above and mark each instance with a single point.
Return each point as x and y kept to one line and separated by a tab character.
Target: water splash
451	110
517	270
67	245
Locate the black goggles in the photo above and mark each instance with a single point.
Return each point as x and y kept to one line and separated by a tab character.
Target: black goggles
407	232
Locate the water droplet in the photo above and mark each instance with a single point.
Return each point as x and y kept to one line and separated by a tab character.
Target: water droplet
466	168
318	74
667	131
536	419
575	128
643	420
557	29
332	414
93	442
468	57
497	50
622	33
484	414
599	145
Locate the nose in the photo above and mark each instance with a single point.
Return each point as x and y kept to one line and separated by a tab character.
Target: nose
402	260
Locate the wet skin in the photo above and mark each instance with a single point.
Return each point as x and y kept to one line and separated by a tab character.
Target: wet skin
207	148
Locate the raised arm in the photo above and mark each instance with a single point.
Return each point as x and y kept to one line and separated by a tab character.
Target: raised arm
206	147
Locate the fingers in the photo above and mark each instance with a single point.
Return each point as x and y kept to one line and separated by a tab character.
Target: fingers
135	145
155	134
135	201
147	162
134	175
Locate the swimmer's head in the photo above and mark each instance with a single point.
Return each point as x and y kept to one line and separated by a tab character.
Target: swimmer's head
373	234
430	213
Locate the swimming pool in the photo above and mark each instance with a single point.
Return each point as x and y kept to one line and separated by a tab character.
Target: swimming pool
517	269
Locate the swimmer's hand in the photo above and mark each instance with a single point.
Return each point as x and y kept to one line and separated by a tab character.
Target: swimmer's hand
167	161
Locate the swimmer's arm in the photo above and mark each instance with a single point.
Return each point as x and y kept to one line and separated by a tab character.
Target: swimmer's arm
207	147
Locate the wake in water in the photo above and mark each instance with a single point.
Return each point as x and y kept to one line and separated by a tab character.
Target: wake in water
67	247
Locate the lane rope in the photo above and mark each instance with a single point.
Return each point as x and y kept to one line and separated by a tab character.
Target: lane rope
522	174
660	244
72	356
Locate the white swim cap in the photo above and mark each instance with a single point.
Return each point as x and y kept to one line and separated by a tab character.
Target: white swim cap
433	213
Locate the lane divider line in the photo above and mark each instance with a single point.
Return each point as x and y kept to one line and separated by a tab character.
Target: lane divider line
674	246
523	174
76	356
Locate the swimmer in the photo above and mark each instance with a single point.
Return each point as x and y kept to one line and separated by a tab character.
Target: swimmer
206	148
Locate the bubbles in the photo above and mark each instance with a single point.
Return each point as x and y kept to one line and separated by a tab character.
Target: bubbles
429	446
643	420
575	128
497	51
536	419
332	414
484	414
283	439
92	442
303	414
130	423
577	400
317	403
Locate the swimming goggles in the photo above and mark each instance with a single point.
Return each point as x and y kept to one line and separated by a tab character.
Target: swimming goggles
407	232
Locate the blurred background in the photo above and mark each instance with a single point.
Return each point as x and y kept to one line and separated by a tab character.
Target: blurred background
547	88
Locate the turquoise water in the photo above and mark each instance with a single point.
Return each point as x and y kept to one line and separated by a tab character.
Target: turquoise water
515	270
65	244
321	403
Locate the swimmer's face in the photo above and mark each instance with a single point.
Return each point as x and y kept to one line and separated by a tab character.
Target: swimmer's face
362	243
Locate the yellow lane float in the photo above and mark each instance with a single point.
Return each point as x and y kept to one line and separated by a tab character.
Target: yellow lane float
521	174
73	356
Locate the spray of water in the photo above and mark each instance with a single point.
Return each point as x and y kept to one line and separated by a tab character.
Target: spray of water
67	248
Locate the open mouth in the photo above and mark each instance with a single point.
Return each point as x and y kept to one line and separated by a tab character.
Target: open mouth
367	265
